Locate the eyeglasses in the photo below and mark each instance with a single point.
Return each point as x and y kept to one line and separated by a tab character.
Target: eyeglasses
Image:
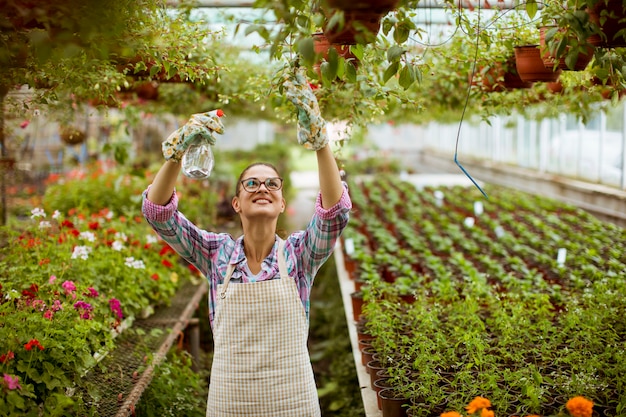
251	185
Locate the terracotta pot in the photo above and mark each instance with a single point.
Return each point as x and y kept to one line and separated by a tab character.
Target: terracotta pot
611	25
379	385
500	77
357	305
555	87
549	58
361	26
367	354
373	367
71	135
381	6
322	46
530	66
393	404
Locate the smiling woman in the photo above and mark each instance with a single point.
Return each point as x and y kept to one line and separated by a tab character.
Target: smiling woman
259	284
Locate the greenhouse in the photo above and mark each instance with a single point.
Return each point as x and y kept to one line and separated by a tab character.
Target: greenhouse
313	208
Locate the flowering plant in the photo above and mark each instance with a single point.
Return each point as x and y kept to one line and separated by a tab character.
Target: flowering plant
69	285
480	406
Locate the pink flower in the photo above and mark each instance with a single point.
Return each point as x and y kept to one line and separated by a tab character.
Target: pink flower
68	286
52	279
84	309
38	305
116	307
48	314
12	382
56	306
91	292
24	124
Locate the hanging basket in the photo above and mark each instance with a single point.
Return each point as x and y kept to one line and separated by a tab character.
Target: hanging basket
361	26
71	135
530	66
379	6
322	46
605	10
549	57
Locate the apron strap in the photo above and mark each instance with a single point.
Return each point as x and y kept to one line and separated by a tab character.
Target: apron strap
282	264
282	268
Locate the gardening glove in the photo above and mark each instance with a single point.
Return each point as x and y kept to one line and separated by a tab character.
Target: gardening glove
199	126
311	129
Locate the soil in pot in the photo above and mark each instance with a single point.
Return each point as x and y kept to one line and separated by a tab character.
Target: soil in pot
393	404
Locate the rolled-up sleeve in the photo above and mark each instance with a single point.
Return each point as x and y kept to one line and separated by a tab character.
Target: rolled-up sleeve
157	212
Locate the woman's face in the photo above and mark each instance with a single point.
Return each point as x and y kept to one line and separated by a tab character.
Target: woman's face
261	203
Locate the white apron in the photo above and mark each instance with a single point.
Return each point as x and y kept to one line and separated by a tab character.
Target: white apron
261	365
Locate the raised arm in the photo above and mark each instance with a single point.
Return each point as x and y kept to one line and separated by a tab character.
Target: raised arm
200	125
162	187
330	180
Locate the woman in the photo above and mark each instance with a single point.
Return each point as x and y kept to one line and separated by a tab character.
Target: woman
259	285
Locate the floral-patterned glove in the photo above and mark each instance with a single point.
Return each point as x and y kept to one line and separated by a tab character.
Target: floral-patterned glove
311	126
199	125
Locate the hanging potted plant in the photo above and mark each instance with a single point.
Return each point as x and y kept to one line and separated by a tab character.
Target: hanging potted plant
71	135
609	17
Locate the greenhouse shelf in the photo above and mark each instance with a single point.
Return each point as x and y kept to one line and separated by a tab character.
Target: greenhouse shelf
370	402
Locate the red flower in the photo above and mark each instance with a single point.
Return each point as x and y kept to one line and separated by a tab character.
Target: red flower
155	277
67	223
33	343
44	261
24	124
75	232
167	263
4	358
94	225
31	292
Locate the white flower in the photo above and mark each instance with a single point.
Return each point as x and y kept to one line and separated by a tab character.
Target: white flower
37	212
121	236
88	236
56	214
44	224
81	252
151	239
135	263
117	245
109	215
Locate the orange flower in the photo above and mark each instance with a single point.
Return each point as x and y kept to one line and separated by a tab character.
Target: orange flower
451	414
579	407
478	403
487	413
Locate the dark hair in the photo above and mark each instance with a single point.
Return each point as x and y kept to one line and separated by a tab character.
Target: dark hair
237	186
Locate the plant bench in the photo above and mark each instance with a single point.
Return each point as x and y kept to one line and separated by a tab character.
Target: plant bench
116	384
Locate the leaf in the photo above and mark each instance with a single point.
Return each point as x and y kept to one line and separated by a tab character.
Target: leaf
394	53
401	33
407	76
531	8
327	73
306	50
571	59
350	72
357	50
390	71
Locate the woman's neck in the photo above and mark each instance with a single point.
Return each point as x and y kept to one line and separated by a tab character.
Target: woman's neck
258	242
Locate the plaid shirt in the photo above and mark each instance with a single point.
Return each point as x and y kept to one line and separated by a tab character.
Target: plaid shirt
305	251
